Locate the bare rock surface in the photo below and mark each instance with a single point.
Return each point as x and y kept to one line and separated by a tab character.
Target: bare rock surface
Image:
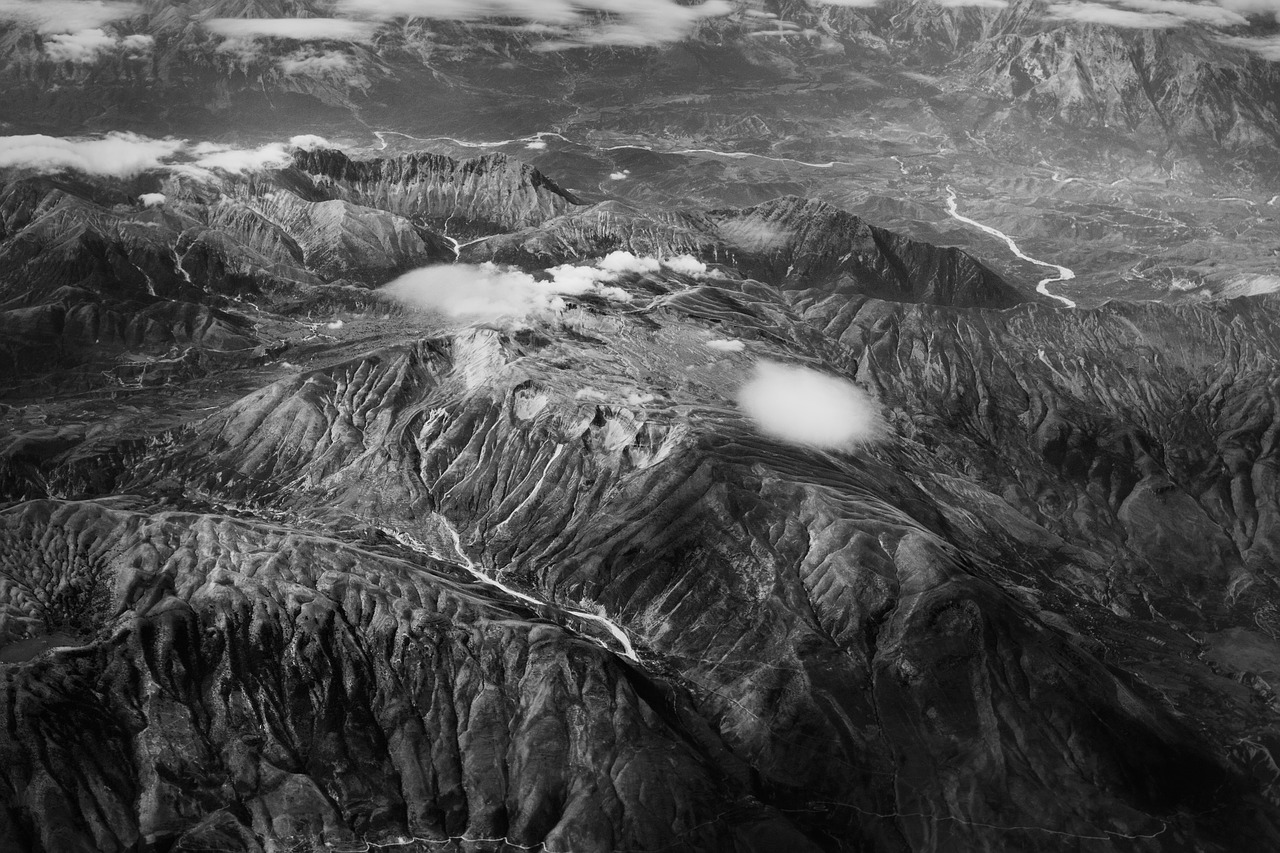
386	577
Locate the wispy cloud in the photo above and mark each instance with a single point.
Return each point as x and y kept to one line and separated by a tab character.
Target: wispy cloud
297	29
119	155
490	294
324	64
1266	47
80	47
65	16
1161	14
1200	13
124	155
1129	14
1100	13
625	23
977	4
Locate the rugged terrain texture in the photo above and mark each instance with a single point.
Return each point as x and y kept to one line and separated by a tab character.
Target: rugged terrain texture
543	585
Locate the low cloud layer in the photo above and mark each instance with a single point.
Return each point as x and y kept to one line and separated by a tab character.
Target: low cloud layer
83	46
1162	14
320	65
123	155
472	294
297	29
88	46
65	16
808	408
490	294
1130	14
626	23
1101	13
119	155
1267	48
686	265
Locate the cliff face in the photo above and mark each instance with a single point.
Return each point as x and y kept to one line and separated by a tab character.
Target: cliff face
545	583
487	195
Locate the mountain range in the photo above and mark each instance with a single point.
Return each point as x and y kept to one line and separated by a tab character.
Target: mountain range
739	485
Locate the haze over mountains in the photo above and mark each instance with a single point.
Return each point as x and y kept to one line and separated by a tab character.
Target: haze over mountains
567	425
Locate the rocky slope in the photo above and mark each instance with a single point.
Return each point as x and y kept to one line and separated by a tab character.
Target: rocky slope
543	584
89	271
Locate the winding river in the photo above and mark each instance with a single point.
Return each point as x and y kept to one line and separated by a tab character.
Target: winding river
1064	274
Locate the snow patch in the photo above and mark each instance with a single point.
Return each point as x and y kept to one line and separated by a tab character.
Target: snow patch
727	346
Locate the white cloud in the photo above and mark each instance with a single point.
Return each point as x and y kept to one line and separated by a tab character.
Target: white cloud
686	265
629	23
1099	13
327	64
1266	47
619	176
86	46
309	142
488	293
726	345
1252	7
1223	13
537	145
297	29
138	43
65	16
152	199
802	406
80	47
576	280
625	262
122	155
227	158
117	154
1201	13
274	155
473	294
753	235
